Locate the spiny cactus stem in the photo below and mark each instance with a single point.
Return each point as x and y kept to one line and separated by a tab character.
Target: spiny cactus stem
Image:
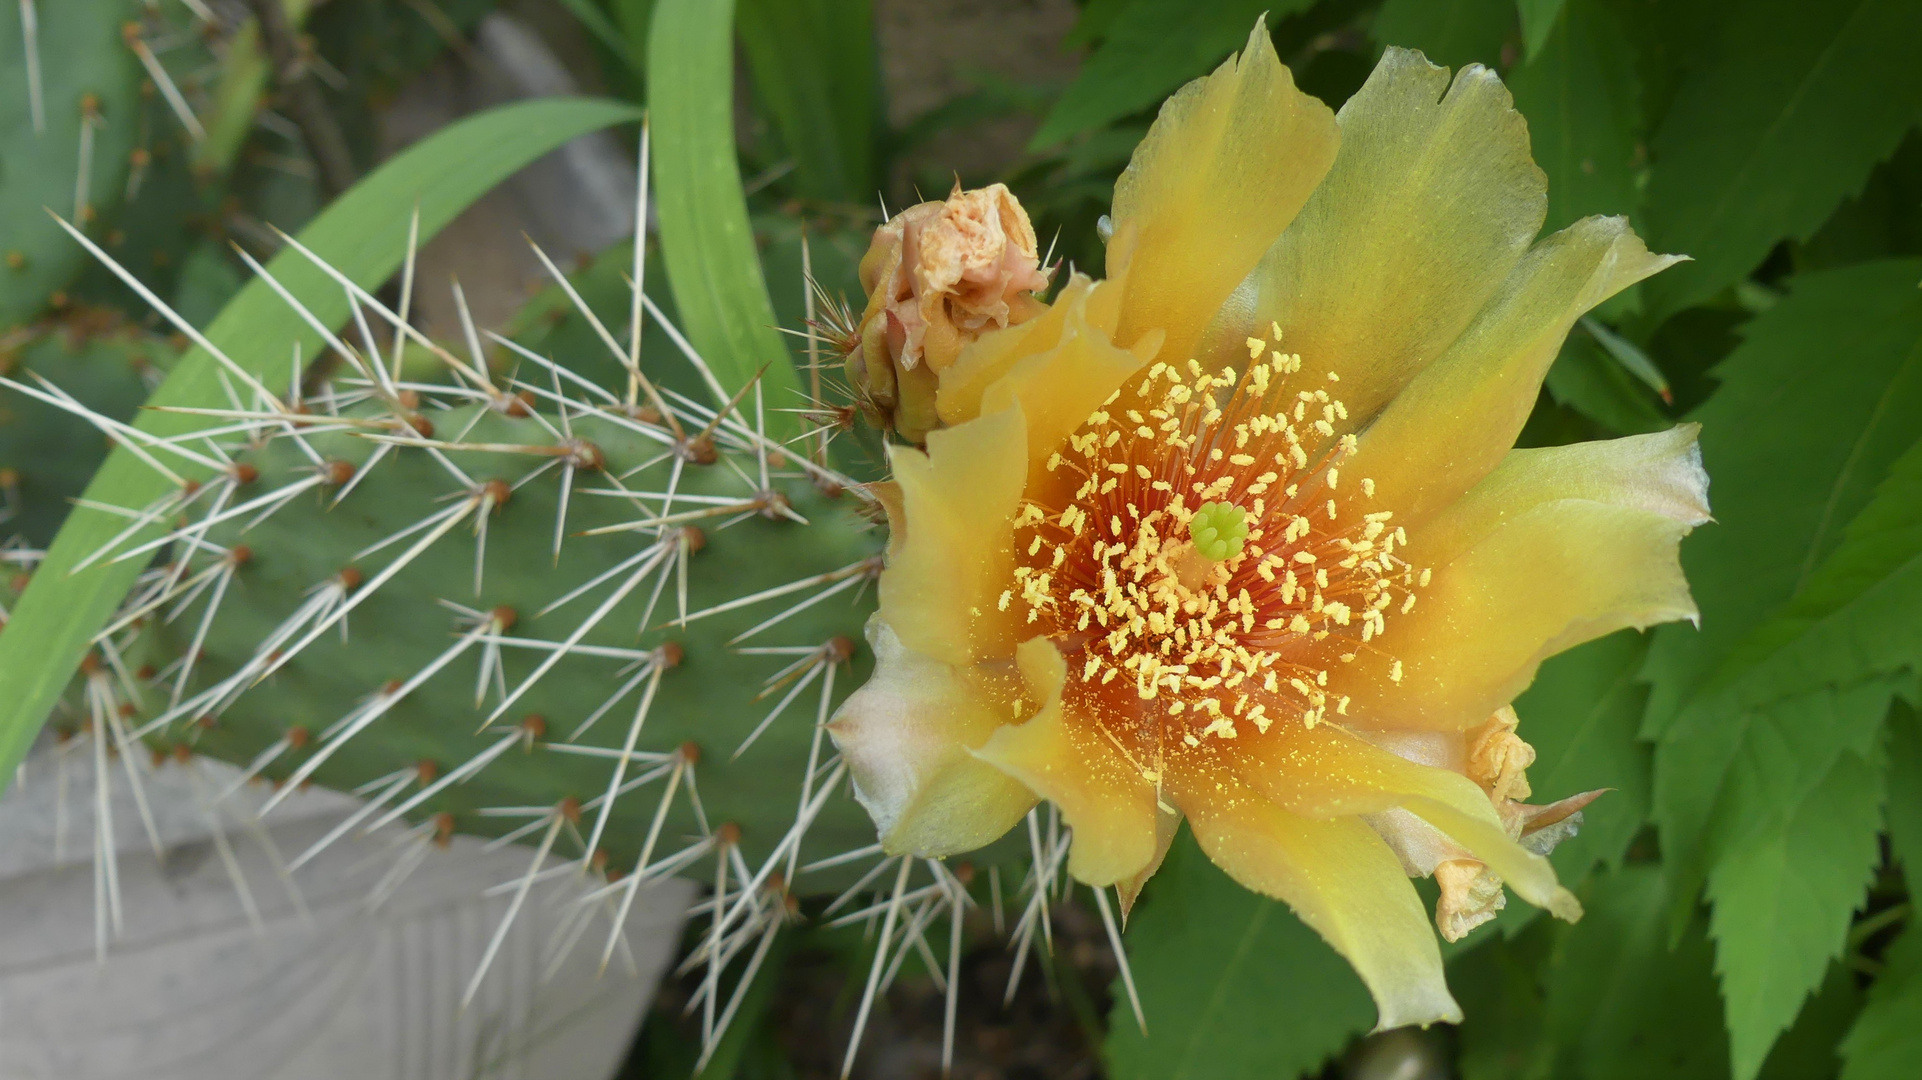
1045	863
559	819
802	674
791	840
83	170
880	958
741	987
372	370
450	518
1121	956
158	73
122	434
454	776
264	505
844	578
382	703
620	767
845	857
630	887
36	93
323	601
649	559
477	375
152	300
104	707
388	787
621	356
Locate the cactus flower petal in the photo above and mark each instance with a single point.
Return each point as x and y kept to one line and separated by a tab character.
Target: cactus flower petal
906	736
1342	879
1236	536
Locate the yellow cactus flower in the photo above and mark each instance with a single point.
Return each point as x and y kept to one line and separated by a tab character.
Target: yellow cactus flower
1237	535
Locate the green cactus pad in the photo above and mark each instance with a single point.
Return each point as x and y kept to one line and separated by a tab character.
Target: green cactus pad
708	699
47	454
83	62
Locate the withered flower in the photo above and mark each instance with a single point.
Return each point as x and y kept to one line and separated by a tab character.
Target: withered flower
938	275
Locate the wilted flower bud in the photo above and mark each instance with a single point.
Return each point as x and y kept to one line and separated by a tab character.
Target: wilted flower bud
938	275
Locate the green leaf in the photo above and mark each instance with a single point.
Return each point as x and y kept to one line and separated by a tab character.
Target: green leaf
1582	99
1783	900
1581	715
1855	617
1794	443
1807	1051
1538	21
364	236
1905	792
712	264
1152	47
635	18
1450	32
815	76
1232	984
1499	985
1886	1041
1834	655
1587	379
596	22
1792	105
1621	1004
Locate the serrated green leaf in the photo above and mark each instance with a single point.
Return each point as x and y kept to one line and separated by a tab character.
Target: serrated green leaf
1823	394
1232	984
1855	616
1499	985
1621	1004
364	236
1152	47
1886	1042
815	76
1783	119
1905	792
1730	773
1835	654
712	264
1582	99
1585	378
1807	1051
1449	32
1783	900
1581	716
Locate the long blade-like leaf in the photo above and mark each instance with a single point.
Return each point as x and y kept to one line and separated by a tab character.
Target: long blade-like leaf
706	242
363	235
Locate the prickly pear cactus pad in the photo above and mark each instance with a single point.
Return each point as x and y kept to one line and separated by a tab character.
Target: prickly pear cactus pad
47	452
69	122
487	619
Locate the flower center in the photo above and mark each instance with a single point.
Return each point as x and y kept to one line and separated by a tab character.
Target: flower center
1200	561
1219	530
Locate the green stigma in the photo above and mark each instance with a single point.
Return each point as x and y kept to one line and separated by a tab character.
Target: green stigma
1218	530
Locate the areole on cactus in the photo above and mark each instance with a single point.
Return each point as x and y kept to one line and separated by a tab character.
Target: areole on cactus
1237	536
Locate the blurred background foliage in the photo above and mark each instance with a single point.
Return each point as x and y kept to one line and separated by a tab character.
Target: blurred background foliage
1748	912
